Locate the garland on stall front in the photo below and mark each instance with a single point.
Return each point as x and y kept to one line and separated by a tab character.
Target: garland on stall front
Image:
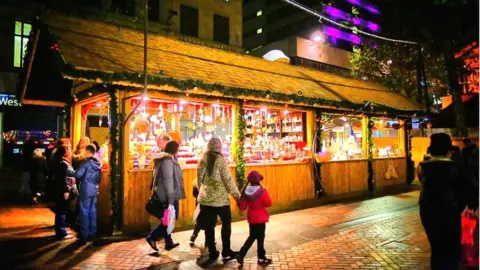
67	117
232	92
114	171
317	147
240	128
371	180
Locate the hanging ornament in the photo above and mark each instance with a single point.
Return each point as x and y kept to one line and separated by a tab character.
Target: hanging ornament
100	121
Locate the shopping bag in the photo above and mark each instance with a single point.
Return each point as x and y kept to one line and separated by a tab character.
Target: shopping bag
169	218
196	213
469	242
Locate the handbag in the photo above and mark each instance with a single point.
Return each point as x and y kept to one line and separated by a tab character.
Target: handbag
154	206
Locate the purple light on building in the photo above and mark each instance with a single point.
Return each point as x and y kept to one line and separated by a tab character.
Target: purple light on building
357	21
335	33
371	8
373	26
336	13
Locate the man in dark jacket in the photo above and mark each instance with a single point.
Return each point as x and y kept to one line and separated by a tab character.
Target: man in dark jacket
88	175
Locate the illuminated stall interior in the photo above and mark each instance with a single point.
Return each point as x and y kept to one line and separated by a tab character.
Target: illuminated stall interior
343	138
388	138
190	123
274	135
95	122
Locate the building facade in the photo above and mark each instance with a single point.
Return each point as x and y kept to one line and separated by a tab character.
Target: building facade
267	21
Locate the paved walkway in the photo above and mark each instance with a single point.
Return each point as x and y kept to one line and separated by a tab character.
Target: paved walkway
382	233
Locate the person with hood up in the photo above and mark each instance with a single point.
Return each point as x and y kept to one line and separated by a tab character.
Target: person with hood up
88	176
215	184
255	199
169	188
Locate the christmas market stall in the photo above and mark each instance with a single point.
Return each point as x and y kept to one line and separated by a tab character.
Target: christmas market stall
309	133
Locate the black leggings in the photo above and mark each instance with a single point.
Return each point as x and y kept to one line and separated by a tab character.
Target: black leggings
257	232
208	220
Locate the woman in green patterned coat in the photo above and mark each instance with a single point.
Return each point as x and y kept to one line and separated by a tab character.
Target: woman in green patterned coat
216	184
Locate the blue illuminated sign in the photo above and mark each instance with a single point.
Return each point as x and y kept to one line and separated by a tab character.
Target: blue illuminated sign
9	100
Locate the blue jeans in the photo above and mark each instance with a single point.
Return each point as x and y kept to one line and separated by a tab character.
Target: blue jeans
87	208
61	209
160	231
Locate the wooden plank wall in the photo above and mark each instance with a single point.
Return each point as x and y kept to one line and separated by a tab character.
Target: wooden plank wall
286	183
104	210
381	165
343	177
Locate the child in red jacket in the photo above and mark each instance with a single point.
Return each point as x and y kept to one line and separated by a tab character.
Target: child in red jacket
255	199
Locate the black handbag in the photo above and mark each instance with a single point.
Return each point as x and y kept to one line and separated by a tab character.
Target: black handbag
154	206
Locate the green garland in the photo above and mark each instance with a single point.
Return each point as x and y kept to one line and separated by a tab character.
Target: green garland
114	171
67	118
228	92
317	167
371	180
240	137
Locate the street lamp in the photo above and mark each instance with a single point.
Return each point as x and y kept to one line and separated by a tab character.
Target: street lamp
318	37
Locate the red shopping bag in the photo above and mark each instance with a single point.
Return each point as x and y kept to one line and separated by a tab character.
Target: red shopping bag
470	238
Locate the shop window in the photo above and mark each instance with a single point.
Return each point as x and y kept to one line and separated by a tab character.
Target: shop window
275	135
387	138
342	138
154	10
190	123
22	32
188	21
221	29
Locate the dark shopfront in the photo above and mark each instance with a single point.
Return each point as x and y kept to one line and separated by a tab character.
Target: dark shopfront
43	123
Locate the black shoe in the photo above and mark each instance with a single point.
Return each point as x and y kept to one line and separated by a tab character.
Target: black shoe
229	256
171	246
264	261
211	259
152	243
239	259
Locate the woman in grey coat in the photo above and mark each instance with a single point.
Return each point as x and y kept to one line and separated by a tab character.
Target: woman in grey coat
168	177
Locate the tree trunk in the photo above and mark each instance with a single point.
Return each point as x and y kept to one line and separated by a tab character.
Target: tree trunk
455	90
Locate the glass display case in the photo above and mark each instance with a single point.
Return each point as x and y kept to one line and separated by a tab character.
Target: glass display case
192	124
342	138
274	135
387	137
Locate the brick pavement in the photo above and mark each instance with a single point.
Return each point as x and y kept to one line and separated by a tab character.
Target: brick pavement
382	233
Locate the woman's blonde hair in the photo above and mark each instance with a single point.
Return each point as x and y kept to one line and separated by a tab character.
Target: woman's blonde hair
37	153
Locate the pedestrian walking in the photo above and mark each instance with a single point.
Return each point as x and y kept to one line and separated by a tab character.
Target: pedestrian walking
65	191
27	151
38	175
169	188
197	229
255	200
440	203
215	183
88	176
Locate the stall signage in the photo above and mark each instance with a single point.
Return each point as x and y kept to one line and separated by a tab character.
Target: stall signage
9	101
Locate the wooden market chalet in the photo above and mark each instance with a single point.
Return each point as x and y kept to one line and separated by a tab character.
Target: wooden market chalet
310	133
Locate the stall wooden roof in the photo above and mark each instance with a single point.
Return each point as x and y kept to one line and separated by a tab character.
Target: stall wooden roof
94	45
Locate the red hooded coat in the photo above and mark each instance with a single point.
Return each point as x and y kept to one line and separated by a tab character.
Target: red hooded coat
255	200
